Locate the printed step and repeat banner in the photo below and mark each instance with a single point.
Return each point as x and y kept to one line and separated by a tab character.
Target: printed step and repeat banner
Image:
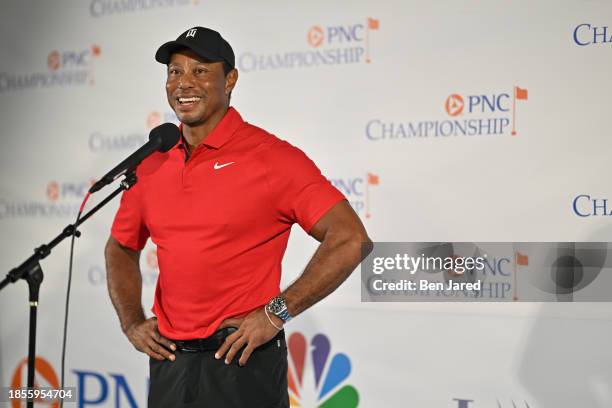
443	122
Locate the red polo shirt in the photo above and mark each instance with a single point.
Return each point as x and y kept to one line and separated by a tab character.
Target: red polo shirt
221	220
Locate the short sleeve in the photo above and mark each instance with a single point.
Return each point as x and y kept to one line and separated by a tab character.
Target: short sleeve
128	227
300	192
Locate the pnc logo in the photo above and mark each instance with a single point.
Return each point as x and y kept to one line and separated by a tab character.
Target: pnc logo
357	190
325	386
454	105
344	35
45	377
326	45
502	102
65	190
64	68
72	59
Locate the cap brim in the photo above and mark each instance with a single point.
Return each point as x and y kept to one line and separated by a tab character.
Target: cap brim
164	52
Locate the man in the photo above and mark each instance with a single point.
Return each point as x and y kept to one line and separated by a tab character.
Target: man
219	206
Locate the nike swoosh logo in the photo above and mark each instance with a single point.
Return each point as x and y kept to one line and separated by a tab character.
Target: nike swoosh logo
218	166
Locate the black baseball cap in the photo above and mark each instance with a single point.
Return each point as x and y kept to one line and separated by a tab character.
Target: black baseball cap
205	42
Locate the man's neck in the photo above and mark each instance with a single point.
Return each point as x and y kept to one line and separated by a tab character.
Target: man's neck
195	135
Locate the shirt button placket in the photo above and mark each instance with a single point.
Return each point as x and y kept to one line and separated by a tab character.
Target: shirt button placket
184	170
189	164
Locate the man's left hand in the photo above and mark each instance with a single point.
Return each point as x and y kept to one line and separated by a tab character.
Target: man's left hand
254	330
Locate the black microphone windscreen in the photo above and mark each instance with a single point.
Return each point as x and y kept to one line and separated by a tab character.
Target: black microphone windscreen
165	136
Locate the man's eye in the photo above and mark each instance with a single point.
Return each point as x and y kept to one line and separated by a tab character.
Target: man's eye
201	70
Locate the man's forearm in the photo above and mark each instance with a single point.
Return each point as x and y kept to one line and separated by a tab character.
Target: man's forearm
332	263
124	283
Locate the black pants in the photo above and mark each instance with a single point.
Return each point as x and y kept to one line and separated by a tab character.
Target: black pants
197	379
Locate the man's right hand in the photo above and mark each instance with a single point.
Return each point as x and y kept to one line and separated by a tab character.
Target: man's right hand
145	337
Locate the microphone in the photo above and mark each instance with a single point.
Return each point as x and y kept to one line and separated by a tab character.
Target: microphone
161	139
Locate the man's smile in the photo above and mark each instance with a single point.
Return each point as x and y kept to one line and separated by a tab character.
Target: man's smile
187	101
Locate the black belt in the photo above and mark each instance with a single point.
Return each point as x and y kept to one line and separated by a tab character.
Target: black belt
214	341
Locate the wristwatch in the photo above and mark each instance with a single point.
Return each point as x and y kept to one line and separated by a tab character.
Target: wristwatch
278	307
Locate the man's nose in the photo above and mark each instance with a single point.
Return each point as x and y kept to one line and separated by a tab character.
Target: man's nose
185	81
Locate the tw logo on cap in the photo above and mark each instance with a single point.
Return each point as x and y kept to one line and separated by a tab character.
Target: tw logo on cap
191	33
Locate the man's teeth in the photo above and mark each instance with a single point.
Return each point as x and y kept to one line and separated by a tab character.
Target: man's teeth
189	100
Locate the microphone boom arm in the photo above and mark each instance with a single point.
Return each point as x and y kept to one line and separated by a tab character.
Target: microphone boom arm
31	271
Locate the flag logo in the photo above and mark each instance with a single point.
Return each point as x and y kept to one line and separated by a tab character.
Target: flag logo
521	95
96	50
373	24
519	260
522	259
373	180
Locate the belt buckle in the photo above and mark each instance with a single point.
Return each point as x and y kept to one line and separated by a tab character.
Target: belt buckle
182	346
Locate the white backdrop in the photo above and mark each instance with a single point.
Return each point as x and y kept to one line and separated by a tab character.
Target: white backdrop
80	90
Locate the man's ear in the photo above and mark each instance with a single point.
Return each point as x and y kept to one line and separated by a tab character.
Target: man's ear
230	80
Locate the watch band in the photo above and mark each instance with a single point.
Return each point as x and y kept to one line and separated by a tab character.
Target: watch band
284	315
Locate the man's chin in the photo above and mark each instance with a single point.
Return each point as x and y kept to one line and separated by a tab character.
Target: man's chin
189	120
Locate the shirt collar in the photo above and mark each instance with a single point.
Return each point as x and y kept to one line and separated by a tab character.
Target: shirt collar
224	130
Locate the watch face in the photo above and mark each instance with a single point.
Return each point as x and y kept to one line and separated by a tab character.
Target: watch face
276	305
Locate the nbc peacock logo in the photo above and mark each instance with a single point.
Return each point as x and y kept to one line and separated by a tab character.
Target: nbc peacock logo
316	378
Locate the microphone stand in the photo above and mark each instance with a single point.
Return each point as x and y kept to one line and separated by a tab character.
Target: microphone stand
32	273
